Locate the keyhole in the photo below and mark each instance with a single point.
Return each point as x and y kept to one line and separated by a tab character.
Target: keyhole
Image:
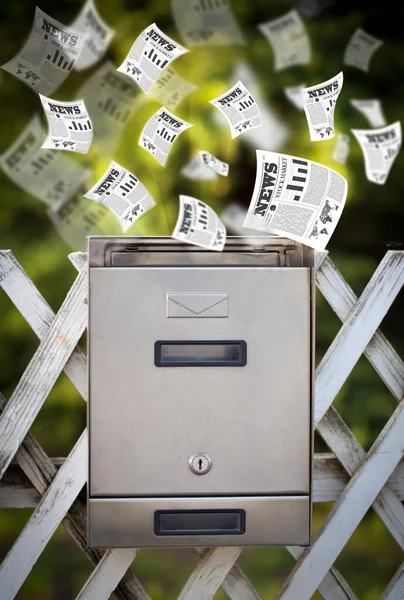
199	463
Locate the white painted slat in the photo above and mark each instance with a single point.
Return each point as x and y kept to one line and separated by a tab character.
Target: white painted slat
78	259
351	454
333	586
44	521
34	307
16	495
346	596
41	470
24	295
390	368
42	371
38	314
360	493
110	569
357	330
379	351
238	587
395	589
329	482
319	258
209	573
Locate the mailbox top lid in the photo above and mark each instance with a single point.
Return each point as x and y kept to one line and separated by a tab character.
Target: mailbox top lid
164	251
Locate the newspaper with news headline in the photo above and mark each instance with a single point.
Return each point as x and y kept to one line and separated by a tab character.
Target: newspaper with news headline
70	126
123	193
151	52
160	132
295	197
319	105
48	56
198	224
380	148
239	108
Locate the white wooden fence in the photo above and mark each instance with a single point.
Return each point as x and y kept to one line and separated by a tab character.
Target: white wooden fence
350	477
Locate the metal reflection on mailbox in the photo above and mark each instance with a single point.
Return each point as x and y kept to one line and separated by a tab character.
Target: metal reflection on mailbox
200	392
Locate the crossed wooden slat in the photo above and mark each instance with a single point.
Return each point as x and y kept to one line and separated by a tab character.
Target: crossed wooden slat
216	566
40	316
329	481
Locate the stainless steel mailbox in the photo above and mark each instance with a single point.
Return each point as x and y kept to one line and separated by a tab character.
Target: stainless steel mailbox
200	392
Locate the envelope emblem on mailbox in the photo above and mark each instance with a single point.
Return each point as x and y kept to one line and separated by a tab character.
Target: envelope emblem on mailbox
197	305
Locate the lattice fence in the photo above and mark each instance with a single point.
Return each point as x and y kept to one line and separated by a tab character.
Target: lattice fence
350	477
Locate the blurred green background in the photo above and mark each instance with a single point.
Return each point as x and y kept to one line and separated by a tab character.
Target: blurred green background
371	223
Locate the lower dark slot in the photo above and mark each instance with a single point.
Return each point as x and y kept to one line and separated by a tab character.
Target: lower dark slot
199	522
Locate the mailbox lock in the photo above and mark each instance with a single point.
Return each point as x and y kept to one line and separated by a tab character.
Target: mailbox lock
200	463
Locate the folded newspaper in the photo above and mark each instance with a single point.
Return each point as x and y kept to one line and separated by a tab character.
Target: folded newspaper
197	170
198	224
371	110
48	56
297	198
160	132
98	36
214	163
111	100
123	193
341	148
170	88
70	127
289	40
50	176
360	50
239	108
319	105
151	52
380	148
206	22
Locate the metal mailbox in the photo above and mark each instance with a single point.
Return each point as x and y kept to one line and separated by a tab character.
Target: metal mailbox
200	392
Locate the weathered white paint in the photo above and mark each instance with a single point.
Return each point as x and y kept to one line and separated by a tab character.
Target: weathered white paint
357	331
390	368
329	482
379	351
110	569
395	589
333	586
78	259
42	371
351	454
209	573
238	587
41	470
51	510
38	314
346	515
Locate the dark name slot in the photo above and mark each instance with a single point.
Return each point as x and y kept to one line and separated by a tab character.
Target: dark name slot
199	522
